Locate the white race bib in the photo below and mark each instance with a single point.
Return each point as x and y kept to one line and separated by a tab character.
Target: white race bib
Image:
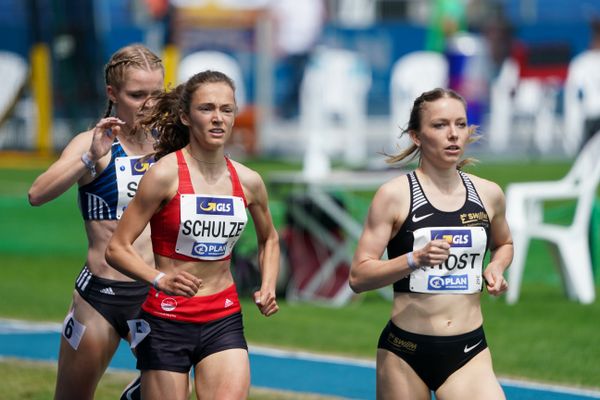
72	330
210	225
129	172
462	271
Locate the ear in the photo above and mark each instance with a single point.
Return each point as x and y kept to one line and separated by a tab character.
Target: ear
184	119
415	137
111	94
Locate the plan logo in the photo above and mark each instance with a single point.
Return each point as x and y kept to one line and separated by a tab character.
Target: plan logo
201	249
455	237
451	282
214	206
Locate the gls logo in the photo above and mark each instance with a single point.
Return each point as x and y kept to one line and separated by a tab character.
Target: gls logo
214	206
455	237
139	166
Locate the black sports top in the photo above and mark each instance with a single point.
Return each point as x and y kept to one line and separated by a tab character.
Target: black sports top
466	229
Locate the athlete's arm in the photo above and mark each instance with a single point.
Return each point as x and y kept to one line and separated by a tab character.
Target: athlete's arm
69	168
501	243
368	271
268	242
156	187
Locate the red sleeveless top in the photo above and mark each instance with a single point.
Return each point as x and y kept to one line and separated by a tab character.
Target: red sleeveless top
164	225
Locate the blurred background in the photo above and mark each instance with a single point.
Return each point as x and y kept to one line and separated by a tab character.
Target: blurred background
324	87
312	62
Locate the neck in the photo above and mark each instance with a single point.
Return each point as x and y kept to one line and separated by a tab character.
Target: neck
206	159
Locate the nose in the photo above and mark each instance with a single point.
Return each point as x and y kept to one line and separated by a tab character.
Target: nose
453	132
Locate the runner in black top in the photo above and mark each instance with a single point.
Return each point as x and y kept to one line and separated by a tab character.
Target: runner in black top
437	223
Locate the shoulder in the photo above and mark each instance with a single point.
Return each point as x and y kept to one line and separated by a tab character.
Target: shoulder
249	178
163	175
490	192
485	186
392	198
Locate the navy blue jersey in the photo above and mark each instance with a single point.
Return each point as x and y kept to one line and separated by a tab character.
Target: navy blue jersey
107	196
422	214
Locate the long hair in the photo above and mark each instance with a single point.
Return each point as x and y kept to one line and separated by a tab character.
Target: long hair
414	124
164	117
132	56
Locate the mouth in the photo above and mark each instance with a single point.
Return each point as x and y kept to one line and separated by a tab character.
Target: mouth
452	149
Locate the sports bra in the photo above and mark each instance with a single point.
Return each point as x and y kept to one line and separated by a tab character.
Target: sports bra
193	227
107	196
466	229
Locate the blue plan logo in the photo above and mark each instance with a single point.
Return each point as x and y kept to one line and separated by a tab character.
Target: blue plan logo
451	282
209	249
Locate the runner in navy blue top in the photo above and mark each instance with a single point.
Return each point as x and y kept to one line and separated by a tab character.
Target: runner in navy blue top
436	223
107	163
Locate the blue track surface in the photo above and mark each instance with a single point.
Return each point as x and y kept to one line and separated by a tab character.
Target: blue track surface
296	372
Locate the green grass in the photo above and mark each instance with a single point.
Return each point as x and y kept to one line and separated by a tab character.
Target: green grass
544	337
26	380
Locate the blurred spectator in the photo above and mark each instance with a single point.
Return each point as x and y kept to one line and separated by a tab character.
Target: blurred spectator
298	27
447	18
498	33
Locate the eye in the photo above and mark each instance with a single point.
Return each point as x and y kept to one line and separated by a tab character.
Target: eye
461	125
439	125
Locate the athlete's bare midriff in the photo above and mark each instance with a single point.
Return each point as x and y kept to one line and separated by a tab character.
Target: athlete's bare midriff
437	314
215	275
99	234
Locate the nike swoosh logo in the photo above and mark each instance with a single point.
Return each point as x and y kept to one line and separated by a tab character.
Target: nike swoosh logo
469	348
422	217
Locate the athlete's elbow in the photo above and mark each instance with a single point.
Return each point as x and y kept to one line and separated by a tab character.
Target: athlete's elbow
356	284
34	198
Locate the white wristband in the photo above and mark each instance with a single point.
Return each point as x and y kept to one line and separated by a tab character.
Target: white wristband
156	279
411	261
89	164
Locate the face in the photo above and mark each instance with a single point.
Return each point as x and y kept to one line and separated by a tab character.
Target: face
444	131
211	115
139	85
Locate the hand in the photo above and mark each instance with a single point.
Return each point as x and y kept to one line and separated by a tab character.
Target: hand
181	284
266	302
434	253
495	282
104	134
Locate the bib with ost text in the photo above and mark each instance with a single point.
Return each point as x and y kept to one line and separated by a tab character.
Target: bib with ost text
462	272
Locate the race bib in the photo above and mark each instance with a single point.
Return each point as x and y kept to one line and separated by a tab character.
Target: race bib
72	330
129	172
210	225
139	329
462	271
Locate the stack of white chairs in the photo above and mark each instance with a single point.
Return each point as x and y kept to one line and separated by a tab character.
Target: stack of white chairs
525	215
413	74
333	109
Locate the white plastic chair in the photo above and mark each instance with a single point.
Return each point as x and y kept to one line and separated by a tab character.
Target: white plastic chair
333	109
581	97
524	205
203	60
413	74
